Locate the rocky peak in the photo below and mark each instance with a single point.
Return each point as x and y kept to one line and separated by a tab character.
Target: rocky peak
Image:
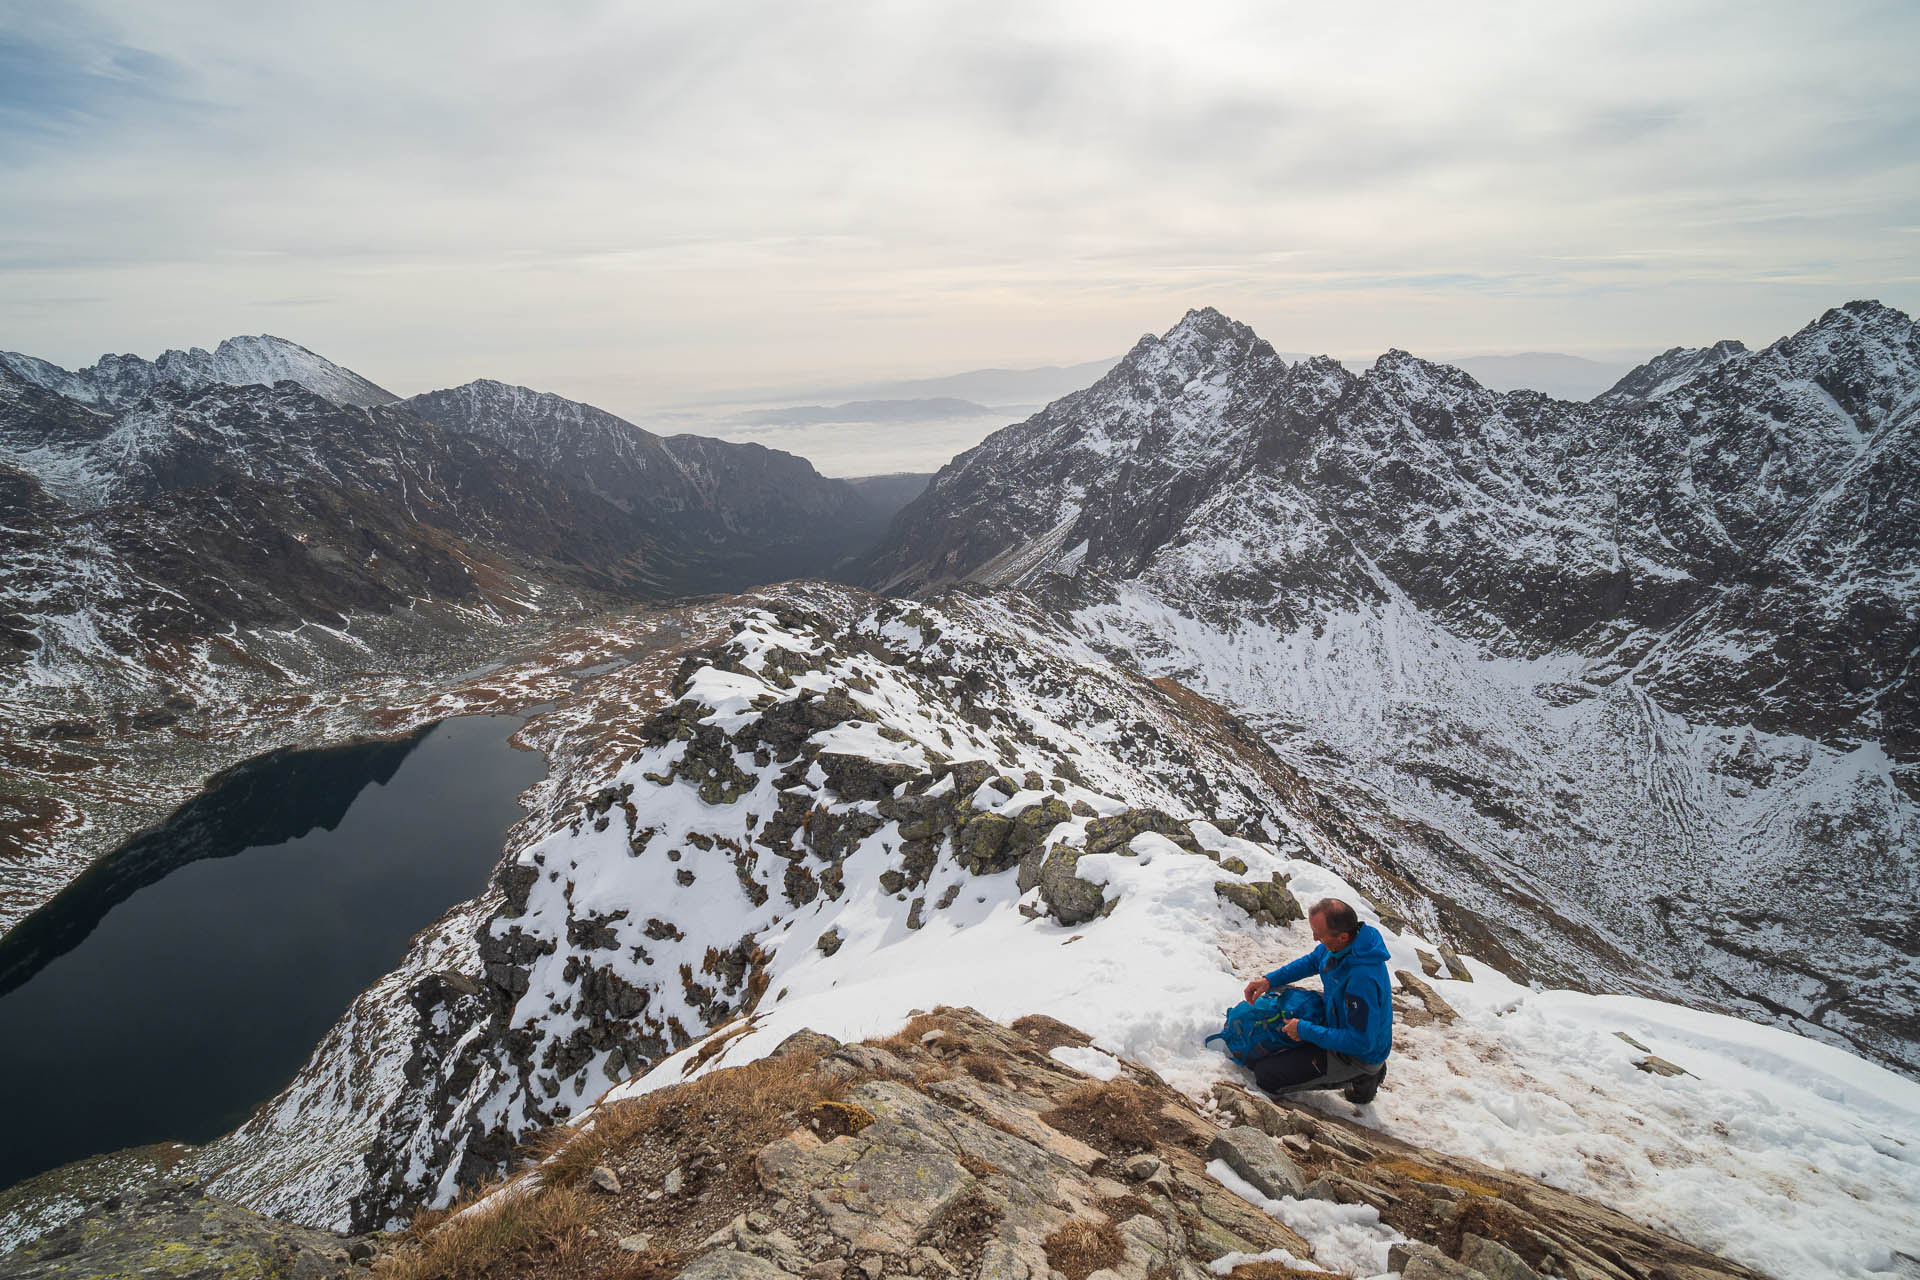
121	381
1668	371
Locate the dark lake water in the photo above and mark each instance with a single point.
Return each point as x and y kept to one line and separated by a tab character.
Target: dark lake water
185	978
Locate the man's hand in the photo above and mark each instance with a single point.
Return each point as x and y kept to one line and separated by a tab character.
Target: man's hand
1292	1027
1256	989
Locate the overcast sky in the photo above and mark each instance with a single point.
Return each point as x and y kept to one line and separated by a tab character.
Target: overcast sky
634	204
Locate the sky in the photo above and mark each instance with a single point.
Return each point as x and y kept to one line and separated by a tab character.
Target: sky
642	205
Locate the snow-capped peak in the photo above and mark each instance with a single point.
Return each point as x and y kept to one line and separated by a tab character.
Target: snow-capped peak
121	381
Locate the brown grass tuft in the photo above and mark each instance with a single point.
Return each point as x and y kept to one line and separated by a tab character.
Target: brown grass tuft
1049	1033
1267	1269
1425	1173
1116	1117
1081	1248
542	1218
985	1067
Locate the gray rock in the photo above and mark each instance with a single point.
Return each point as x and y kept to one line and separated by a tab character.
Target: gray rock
1415	1261
1493	1259
1260	1160
172	1227
729	1264
1455	968
638	1242
606	1179
1141	1168
675	1179
1069	899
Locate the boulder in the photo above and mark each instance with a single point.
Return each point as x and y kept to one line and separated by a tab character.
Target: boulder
1069	899
1260	1160
1268	902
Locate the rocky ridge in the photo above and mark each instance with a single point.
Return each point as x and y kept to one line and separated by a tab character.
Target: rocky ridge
1596	646
121	381
740	826
961	1147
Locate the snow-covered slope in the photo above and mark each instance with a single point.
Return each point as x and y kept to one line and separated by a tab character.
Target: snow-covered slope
119	382
1669	371
1593	645
851	809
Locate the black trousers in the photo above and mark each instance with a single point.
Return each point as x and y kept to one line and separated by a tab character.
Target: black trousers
1306	1066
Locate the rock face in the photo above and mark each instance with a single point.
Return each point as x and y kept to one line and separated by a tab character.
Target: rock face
1646	660
975	1153
173	1228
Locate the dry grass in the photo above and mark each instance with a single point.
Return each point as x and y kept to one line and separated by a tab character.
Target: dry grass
1081	1248
1267	1269
906	1041
467	1243
1116	1117
1049	1033
984	1067
764	1099
1426	1173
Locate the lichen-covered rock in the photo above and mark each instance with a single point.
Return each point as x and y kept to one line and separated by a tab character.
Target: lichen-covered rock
861	778
1268	902
1069	899
1107	834
983	843
173	1228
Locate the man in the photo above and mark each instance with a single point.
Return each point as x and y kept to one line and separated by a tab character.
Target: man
1351	1049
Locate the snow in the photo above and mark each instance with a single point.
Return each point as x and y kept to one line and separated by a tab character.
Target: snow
1792	1156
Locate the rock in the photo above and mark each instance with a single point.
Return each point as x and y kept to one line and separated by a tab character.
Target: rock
638	1242
1493	1259
674	1180
1440	1009
982	843
1269	902
805	1041
606	1179
1429	963
1455	968
1104	835
1298	1143
1341	1190
829	942
1143	1167
1415	1261
1237	866
861	778
729	1264
173	1228
1660	1067
1260	1160
873	1266
1069	899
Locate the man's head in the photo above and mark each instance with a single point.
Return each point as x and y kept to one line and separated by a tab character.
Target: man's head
1333	923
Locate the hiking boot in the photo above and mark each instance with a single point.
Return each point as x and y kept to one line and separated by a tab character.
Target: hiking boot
1361	1089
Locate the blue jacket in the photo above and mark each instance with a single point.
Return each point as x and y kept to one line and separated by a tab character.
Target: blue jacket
1359	997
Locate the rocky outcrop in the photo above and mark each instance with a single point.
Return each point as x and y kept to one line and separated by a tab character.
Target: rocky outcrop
962	1149
174	1228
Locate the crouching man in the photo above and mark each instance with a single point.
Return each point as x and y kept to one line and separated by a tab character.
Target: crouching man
1351	1049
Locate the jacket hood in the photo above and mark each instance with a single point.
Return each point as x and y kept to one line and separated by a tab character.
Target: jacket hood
1367	946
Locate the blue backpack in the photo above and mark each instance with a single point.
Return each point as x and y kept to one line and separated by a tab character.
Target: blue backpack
1253	1027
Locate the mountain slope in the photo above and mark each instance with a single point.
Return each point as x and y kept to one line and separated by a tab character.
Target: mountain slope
736	514
849	809
119	382
1592	644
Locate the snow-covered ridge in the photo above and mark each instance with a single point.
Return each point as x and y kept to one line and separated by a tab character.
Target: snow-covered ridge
120	381
839	822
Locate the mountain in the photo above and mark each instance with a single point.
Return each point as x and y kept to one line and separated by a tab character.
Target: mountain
118	382
817	814
730	515
1669	371
1596	646
173	566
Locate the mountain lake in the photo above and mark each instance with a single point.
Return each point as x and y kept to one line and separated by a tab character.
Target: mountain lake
184	978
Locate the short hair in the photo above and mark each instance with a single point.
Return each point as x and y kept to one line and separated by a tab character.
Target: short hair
1340	917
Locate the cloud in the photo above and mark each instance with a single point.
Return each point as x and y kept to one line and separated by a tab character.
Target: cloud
644	202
